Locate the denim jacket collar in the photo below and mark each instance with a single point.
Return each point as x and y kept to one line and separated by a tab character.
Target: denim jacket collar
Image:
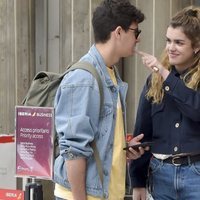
103	68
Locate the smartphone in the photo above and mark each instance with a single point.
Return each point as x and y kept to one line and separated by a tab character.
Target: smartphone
136	146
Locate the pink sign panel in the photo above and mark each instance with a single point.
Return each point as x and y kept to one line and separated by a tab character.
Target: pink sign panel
34	141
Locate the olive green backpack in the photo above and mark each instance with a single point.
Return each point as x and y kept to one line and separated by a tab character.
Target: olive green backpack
43	90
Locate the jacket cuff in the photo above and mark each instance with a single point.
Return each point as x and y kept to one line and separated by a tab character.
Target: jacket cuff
138	182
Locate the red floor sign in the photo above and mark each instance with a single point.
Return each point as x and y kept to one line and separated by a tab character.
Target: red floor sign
11	194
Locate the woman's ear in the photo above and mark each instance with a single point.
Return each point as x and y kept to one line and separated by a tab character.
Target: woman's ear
196	50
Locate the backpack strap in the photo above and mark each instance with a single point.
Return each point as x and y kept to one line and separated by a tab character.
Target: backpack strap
90	68
98	161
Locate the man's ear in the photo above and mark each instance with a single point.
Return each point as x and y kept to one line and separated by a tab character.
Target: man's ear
118	31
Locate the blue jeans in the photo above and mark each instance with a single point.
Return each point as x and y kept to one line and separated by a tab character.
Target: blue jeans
169	182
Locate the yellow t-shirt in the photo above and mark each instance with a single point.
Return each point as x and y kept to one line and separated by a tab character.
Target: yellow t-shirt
118	169
64	193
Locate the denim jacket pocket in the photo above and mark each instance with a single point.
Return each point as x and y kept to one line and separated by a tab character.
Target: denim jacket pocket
107	109
106	120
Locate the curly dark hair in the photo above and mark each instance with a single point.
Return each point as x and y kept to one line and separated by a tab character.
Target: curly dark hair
112	13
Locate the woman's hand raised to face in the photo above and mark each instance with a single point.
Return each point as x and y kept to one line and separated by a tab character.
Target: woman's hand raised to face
152	63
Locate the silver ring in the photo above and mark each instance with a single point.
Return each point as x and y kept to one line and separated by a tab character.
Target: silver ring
155	69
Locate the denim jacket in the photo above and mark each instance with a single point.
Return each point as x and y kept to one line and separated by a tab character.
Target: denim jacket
79	120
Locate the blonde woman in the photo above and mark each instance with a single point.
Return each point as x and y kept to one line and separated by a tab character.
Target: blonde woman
169	115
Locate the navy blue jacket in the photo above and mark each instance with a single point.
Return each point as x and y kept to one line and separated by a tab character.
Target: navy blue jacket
174	124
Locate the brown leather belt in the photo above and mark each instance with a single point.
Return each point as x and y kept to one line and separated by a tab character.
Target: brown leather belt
182	160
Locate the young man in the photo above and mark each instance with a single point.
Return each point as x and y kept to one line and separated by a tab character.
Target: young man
80	119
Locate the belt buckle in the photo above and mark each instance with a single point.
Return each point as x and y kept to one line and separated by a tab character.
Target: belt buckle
174	161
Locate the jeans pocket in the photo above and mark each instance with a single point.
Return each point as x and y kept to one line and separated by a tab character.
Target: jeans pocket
154	165
196	168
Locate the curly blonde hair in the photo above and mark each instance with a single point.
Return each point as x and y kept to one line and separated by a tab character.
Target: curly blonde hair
189	20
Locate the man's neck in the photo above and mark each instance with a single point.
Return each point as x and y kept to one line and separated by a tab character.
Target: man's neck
108	54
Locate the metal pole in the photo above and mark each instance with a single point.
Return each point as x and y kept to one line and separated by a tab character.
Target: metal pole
33	191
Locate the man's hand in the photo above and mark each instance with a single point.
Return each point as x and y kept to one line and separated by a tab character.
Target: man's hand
136	153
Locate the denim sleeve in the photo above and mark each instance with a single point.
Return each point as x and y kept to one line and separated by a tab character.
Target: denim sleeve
77	107
139	167
187	100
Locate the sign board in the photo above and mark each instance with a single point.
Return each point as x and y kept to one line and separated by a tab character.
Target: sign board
11	194
34	141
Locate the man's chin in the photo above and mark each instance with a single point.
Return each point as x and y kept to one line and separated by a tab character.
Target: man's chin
128	55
